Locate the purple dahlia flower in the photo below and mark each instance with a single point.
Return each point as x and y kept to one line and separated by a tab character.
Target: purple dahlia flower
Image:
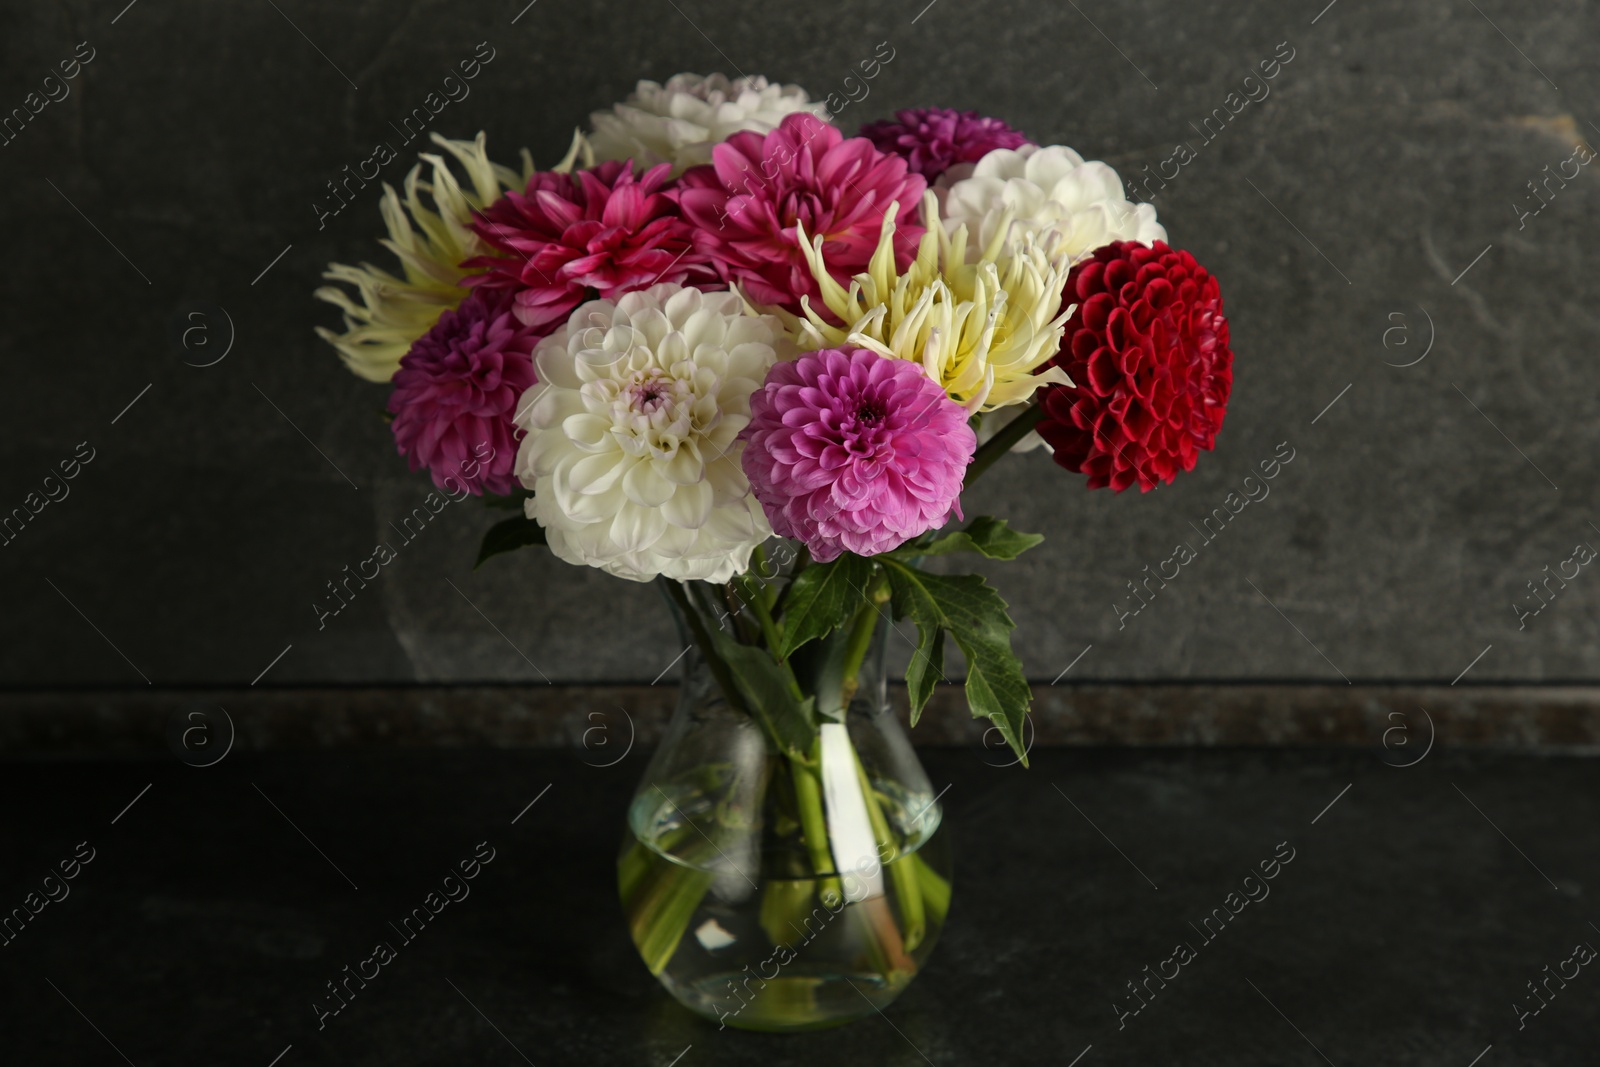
850	450
456	392
934	139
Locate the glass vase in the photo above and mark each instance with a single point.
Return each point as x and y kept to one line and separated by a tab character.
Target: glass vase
780	891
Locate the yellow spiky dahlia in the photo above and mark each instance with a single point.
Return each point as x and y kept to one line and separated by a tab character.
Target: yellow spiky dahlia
432	239
981	329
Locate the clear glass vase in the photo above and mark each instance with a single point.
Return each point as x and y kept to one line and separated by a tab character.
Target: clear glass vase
769	891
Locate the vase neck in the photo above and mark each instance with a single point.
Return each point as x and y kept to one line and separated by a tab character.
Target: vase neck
844	671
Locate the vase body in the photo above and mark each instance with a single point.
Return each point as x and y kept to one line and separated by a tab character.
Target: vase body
773	893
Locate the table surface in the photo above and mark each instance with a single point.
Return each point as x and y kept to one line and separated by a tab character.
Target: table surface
219	901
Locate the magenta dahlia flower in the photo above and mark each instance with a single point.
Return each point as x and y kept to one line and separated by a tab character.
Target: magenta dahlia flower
596	233
850	450
746	203
934	139
456	392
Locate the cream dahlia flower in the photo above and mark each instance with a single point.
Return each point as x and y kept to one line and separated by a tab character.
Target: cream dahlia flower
980	329
632	427
431	238
681	121
1069	206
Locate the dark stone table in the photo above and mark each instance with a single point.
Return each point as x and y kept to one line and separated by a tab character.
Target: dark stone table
1418	904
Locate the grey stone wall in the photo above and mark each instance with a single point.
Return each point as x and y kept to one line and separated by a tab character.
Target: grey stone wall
1374	207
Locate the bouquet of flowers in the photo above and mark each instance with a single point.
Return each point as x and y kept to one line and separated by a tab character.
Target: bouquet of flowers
719	320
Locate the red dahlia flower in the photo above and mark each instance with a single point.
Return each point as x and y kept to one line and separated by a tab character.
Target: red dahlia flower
569	238
1147	351
746	203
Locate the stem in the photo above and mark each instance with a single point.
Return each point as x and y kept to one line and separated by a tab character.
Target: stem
884	945
764	583
902	875
801	562
1001	443
813	823
659	899
866	622
733	597
719	670
769	628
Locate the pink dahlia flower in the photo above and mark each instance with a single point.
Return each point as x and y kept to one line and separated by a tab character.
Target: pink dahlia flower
596	233
850	450
746	203
456	392
934	139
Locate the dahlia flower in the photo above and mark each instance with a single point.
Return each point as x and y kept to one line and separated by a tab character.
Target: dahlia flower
850	451
570	237
933	139
431	243
983	330
1148	349
1070	207
632	449
455	393
680	122
747	204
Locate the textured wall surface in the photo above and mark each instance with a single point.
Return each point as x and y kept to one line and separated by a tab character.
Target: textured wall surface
1403	319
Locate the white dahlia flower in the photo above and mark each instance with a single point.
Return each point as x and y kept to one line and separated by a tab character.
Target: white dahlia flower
1071	207
632	449
682	121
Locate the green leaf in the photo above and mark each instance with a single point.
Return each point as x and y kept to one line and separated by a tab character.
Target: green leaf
985	535
507	536
926	669
764	685
973	613
822	598
821	664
